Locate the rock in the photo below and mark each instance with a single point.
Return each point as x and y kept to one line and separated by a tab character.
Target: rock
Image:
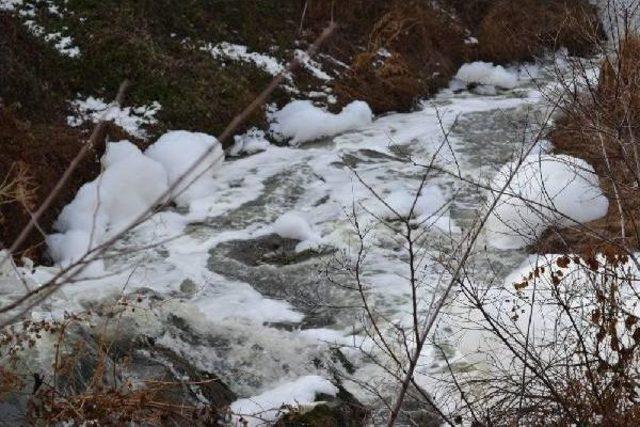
342	411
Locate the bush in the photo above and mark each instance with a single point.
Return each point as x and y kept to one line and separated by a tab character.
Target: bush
422	49
519	31
602	126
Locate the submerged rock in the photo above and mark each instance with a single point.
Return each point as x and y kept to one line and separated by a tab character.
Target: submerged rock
271	265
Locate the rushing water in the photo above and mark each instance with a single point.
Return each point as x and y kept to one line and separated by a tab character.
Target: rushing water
236	300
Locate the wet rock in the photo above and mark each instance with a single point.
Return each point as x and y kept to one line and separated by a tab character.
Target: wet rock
342	411
271	265
187	384
270	249
188	287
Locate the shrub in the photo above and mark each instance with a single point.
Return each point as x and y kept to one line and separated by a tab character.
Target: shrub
519	31
601	126
413	50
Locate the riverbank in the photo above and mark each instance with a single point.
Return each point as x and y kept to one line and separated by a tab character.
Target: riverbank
195	67
600	125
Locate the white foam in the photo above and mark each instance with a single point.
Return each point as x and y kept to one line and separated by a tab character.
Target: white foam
301	121
546	190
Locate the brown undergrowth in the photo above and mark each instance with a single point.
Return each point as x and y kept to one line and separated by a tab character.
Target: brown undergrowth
602	126
412	50
509	31
32	159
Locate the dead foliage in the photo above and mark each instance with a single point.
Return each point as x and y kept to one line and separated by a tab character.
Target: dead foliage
513	31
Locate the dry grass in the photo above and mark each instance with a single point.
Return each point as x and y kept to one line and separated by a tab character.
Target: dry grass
510	31
602	127
425	47
32	159
18	187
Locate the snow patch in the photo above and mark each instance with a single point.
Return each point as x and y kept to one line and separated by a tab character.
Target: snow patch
238	52
131	119
63	44
310	65
301	121
268	406
10	5
557	190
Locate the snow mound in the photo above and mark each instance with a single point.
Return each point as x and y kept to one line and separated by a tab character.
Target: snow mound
266	407
293	226
301	121
486	74
178	151
238	52
128	186
557	190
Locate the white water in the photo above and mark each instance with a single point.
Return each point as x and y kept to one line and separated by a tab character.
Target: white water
258	323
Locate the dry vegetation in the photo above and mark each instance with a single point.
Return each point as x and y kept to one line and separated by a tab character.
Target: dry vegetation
601	125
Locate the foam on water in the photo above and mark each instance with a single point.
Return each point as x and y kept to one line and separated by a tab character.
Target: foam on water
247	315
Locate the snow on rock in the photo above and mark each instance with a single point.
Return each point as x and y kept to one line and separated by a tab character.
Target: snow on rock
486	74
178	151
430	207
301	121
267	407
130	119
429	201
251	142
293	226
238	52
228	299
129	185
557	190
